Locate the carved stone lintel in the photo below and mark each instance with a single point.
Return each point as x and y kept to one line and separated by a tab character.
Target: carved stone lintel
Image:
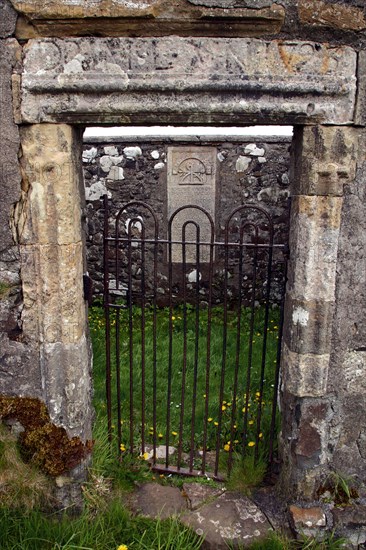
187	80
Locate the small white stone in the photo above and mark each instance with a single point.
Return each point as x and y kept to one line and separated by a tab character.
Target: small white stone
116	160
262	160
106	163
193	276
155	154
132	152
253	150
96	191
161	451
242	163
116	173
111	150
89	154
221	157
159	166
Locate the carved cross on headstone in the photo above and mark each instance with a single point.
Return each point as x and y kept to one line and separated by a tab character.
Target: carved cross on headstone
192	171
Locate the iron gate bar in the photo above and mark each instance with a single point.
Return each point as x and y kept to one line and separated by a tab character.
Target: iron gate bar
237	356
114	244
107	317
208	350
202	243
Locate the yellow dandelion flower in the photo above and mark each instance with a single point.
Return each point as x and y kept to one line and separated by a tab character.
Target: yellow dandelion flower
251	422
244	409
223	408
257	394
275	327
224	402
216	423
144	456
251	444
160	435
204	395
161	476
227	447
122	547
236	440
122	447
235	426
174	433
172	318
260	435
229	404
209	419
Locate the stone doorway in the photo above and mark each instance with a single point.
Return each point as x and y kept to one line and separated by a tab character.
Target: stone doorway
310	87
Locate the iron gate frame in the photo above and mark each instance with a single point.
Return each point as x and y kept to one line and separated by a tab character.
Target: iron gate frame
113	242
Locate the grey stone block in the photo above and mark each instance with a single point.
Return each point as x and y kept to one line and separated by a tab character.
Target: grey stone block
8	18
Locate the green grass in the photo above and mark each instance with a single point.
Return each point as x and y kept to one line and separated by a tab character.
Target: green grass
103	531
218	405
105	523
279	541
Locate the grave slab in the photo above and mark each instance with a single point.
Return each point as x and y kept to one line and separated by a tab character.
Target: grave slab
231	518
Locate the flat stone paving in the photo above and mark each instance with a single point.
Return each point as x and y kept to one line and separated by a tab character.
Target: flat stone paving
221	516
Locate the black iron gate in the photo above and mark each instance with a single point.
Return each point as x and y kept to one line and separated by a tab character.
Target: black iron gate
193	336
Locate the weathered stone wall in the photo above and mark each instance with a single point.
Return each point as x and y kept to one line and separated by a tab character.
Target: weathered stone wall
19	359
323	347
299	62
255	171
348	350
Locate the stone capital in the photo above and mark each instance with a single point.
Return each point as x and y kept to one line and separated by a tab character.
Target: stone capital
325	160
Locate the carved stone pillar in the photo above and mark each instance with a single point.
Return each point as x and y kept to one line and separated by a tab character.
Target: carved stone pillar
324	161
48	223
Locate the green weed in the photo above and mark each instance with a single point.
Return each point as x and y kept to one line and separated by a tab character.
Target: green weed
246	474
4	289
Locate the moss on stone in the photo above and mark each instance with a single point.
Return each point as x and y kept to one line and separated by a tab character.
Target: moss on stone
42	442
